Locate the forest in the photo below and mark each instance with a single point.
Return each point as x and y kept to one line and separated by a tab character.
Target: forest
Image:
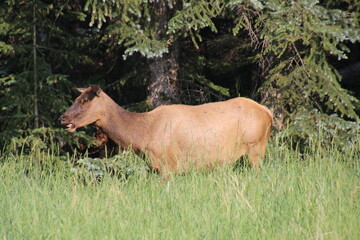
300	58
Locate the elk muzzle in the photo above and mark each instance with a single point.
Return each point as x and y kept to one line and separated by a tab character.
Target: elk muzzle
71	127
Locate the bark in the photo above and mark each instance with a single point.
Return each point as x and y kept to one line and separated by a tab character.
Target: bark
164	85
36	108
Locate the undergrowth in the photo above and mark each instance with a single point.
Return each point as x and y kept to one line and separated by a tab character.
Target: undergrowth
308	192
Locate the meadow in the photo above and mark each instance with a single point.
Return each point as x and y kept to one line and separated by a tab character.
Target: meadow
309	194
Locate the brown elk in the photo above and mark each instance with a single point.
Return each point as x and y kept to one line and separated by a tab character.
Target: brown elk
177	138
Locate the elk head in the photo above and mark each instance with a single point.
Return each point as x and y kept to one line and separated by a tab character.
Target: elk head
86	109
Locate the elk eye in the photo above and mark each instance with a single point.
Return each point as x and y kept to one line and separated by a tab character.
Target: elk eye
84	100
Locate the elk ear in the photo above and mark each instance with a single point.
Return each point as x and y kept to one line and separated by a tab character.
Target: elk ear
80	90
96	89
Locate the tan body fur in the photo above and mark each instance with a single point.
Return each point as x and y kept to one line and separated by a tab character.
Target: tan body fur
178	138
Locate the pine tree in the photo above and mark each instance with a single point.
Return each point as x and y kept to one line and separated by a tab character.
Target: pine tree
294	40
35	52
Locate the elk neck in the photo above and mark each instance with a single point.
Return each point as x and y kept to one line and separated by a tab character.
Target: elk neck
123	127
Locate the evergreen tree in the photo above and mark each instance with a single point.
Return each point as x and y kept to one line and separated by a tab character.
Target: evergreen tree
294	40
36	54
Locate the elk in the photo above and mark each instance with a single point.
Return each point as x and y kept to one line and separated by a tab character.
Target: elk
178	138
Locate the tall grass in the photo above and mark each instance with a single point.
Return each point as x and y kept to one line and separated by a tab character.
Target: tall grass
310	195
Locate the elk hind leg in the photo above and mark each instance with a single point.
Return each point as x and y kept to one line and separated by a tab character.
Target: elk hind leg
256	154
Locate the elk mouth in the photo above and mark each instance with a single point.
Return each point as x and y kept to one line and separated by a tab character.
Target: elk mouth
71	127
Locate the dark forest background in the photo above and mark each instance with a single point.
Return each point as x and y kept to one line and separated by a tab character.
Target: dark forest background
300	58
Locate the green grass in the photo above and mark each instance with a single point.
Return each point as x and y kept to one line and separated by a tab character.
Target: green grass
314	195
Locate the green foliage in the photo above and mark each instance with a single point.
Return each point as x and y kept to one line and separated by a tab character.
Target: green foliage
328	129
283	50
194	16
55	56
122	166
48	140
295	40
132	25
137	25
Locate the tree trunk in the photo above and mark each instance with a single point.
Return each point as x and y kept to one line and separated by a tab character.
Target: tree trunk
36	109
164	85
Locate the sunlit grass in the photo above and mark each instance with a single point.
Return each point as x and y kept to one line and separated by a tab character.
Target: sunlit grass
312	195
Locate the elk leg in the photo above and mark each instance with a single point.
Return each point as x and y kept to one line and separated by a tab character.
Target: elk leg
256	154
